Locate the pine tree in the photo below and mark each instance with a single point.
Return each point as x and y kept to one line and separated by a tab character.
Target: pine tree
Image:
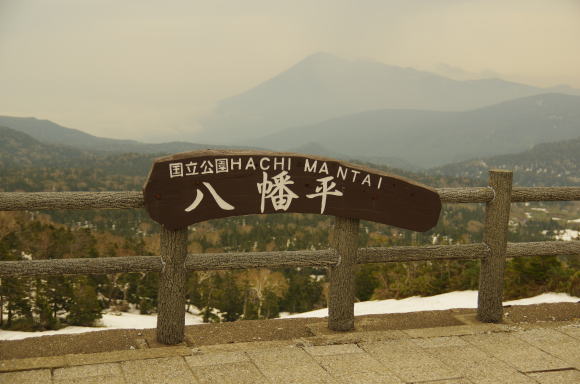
85	308
231	302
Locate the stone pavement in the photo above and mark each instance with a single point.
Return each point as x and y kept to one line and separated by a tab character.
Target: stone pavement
545	352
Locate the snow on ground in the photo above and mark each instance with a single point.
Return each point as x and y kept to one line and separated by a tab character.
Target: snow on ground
567	235
461	299
109	321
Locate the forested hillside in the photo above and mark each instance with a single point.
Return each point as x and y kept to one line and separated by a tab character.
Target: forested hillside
544	165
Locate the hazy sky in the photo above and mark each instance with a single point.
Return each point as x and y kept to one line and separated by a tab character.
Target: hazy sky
145	69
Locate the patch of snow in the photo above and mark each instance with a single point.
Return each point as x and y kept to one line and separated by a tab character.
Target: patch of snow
109	321
460	299
540	210
545	298
567	234
564	234
574	221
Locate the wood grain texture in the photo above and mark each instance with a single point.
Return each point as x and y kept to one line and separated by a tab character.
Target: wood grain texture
22	201
543	248
491	275
520	194
277	259
281	259
171	297
80	266
431	252
465	195
341	275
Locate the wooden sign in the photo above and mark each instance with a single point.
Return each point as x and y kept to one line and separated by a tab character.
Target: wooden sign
191	187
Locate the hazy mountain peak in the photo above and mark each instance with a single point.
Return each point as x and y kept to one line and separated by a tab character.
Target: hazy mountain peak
324	86
321	58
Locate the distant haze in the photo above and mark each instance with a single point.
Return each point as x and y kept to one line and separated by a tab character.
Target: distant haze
151	70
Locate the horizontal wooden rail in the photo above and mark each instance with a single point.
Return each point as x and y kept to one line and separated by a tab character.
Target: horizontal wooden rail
465	195
543	248
431	252
197	262
281	259
519	194
19	201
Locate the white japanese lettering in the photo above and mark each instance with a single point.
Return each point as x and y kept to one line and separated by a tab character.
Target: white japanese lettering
325	190
175	170
277	191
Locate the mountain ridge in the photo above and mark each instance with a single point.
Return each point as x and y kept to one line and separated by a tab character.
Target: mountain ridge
323	86
49	132
545	164
432	138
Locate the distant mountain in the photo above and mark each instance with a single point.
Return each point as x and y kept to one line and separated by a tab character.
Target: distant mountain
22	155
18	150
324	86
313	148
46	131
432	138
545	164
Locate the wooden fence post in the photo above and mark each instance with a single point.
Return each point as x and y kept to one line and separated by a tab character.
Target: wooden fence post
341	295
171	297
491	275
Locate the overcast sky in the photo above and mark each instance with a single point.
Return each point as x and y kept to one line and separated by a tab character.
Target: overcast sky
145	69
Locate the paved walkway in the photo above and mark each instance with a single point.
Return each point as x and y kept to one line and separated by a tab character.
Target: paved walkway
479	353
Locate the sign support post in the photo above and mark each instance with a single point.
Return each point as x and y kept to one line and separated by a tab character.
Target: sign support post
341	294
171	298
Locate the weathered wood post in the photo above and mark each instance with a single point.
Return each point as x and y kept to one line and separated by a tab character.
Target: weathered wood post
171	297
491	275
341	295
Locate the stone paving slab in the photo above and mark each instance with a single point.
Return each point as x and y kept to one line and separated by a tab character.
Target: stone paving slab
216	358
32	363
355	337
238	373
556	343
350	366
103	371
168	370
557	377
244	347
516	352
338	349
472	363
455	330
93	380
39	376
571	330
289	365
408	361
117	356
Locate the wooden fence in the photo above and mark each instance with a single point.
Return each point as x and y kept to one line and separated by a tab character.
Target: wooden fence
340	259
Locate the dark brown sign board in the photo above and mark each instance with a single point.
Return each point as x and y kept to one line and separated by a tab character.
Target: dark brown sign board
191	187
